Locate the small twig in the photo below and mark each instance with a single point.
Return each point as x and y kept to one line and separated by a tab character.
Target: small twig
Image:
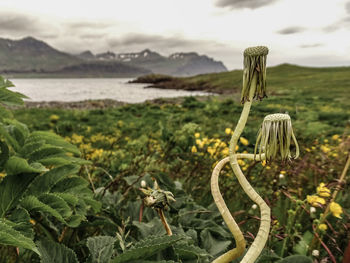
90	179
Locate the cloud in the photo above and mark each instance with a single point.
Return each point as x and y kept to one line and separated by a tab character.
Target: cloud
311	45
347	7
291	30
16	22
342	23
88	25
238	4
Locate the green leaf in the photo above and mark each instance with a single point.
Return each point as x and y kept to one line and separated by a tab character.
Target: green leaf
4	155
147	247
45	182
11	190
211	244
73	184
45	151
8	138
17	130
54	140
303	245
296	259
33	204
101	248
186	251
20	218
12	237
17	165
57	203
52	252
11	98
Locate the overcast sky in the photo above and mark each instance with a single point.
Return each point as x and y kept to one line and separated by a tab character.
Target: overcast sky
304	32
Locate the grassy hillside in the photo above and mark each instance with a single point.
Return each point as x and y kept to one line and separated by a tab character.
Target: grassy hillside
326	85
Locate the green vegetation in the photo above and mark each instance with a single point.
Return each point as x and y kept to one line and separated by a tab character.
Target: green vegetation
177	143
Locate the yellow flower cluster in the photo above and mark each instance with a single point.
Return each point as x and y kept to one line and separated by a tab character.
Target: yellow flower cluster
322	227
319	200
2	175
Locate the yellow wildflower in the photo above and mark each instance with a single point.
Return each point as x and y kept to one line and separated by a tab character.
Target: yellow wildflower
283	172
211	150
315	200
322	227
263	163
194	149
32	221
2	175
225	151
335	137
325	140
307	149
241	162
54	118
228	131
336	209
237	147
197	135
323	191
244	141
335	155
325	149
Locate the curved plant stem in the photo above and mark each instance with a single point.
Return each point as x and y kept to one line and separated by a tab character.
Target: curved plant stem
263	233
229	220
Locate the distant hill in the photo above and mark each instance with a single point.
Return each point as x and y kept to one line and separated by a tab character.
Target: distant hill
36	58
30	54
177	64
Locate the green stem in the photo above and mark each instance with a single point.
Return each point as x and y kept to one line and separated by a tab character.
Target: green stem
263	233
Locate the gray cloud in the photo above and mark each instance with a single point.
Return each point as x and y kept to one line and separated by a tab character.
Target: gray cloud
237	4
78	25
342	23
16	22
347	7
291	30
311	45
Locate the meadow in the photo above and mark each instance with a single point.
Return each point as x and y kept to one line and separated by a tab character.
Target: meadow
177	143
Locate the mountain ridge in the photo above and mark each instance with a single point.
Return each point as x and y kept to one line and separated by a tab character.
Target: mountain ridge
32	56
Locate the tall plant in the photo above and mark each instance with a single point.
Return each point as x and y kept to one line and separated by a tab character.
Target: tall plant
274	140
40	190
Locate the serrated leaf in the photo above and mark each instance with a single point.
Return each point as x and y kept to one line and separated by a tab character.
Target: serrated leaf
9	97
12	237
8	138
33	204
101	248
72	184
211	244
20	218
52	252
4	155
57	203
296	259
17	165
303	245
45	151
186	251
48	180
11	190
17	130
54	140
147	247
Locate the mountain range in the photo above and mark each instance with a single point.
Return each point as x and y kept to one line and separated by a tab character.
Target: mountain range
32	56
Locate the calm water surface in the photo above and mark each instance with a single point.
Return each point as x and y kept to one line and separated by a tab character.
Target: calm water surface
93	89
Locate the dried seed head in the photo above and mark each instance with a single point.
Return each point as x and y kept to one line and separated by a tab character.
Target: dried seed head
275	136
254	62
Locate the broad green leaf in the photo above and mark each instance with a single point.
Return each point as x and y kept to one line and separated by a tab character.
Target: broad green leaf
21	220
187	251
303	245
147	247
53	252
17	165
73	184
45	182
28	148
296	259
8	138
4	155
18	130
101	248
12	237
33	204
44	151
57	203
10	98
212	245
11	190
54	140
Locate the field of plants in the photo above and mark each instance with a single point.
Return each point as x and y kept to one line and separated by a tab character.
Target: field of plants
70	179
